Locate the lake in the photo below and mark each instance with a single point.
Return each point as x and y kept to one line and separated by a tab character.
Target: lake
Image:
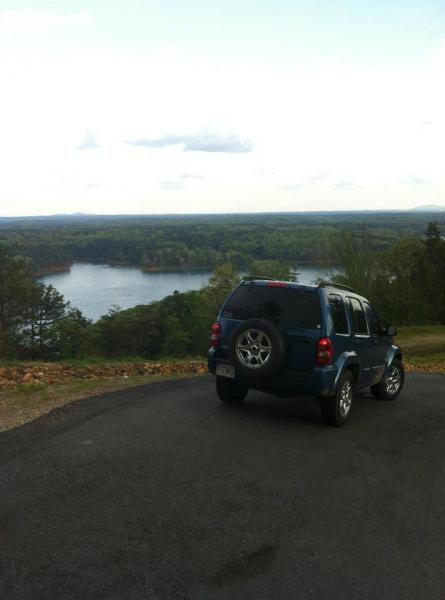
95	288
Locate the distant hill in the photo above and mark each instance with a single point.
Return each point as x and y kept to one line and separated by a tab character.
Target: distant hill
428	208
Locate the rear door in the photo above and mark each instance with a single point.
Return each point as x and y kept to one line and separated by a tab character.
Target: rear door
340	332
295	311
379	344
302	325
362	340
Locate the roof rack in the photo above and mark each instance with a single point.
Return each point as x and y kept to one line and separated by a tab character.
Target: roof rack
253	277
336	285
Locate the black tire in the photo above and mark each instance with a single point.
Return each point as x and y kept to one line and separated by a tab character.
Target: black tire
275	357
334	409
230	391
386	389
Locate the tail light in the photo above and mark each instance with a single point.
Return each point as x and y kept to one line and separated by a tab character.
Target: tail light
216	333
325	352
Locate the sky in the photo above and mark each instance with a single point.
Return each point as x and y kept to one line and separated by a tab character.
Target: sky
177	106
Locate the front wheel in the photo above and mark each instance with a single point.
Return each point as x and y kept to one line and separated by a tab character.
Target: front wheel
391	385
229	391
336	409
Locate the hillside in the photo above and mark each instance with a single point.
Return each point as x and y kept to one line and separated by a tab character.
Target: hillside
201	240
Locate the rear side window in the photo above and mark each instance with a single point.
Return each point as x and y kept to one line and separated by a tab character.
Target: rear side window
358	317
338	313
287	307
372	318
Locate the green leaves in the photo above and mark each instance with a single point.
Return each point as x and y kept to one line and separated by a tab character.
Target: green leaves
406	283
271	268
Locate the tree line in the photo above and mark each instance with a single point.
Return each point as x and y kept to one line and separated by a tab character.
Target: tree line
197	241
406	284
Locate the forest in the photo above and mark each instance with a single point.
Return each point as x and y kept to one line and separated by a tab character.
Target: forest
402	275
200	241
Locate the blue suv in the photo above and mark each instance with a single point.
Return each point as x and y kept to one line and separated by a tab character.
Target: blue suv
290	339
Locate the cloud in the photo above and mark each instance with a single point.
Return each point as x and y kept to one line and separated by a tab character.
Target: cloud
345	185
171	184
13	22
88	143
199	143
191	176
416	181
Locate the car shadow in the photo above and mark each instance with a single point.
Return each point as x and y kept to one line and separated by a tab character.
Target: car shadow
269	407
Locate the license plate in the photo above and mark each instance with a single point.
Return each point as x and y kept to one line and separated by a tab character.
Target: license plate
225	370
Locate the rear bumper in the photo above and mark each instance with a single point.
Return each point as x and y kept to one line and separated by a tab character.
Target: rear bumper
320	382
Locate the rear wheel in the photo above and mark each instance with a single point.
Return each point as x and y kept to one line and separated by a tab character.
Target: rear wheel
391	386
230	391
336	409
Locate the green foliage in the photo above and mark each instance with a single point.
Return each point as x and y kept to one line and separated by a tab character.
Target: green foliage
34	318
271	268
16	289
176	339
406	283
199	241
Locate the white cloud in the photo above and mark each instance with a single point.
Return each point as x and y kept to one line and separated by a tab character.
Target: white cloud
199	142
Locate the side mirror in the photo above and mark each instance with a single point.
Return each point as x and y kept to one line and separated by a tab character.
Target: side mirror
390	330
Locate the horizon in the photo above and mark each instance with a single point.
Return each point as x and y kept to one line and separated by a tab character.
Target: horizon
427	209
255	107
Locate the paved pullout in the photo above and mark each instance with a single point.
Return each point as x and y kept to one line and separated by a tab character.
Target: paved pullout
162	492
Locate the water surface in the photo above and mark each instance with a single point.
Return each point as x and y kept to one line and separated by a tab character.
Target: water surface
95	288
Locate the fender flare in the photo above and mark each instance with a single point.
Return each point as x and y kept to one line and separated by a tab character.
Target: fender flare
394	353
347	360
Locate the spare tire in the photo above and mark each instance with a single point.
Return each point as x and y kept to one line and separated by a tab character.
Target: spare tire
257	348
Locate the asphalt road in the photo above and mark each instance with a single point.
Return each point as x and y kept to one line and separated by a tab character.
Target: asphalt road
162	492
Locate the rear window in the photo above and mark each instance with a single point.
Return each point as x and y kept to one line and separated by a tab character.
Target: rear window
372	318
338	313
287	307
360	327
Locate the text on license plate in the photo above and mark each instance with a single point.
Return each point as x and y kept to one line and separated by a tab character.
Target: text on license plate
225	370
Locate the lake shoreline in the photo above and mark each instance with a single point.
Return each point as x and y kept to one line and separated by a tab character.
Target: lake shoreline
172	269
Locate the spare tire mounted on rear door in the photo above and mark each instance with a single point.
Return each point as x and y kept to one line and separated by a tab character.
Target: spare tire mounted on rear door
257	348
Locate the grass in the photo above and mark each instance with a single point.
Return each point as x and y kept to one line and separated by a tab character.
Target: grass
28	401
422	340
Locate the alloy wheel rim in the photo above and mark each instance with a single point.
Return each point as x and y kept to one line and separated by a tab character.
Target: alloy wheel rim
345	398
393	380
253	348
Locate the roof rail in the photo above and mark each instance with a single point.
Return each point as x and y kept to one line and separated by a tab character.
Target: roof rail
336	285
253	277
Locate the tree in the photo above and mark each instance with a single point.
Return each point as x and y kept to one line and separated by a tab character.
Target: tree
356	254
224	279
45	310
432	273
35	320
16	287
74	335
176	339
271	268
